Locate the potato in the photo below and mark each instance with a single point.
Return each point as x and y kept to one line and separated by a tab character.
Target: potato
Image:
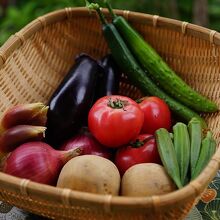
146	179
90	173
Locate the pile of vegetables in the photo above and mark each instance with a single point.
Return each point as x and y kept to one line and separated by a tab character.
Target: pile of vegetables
90	138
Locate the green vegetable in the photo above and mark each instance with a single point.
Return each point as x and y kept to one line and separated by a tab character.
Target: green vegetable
208	148
168	155
154	65
182	148
136	75
195	133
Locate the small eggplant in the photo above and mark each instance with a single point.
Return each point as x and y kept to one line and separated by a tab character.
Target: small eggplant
70	103
14	136
110	79
24	114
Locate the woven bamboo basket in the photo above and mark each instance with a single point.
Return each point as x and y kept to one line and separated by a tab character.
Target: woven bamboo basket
34	61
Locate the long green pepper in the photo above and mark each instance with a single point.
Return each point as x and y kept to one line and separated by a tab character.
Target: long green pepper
136	75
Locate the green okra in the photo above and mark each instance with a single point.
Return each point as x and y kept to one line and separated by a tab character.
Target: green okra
168	155
195	133
208	148
182	148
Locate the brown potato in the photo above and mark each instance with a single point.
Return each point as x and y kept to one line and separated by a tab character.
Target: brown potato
90	173
146	179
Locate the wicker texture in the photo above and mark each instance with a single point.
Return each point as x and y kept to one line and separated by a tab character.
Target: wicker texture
34	61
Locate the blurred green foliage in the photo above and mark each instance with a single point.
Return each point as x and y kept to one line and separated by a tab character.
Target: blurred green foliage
24	11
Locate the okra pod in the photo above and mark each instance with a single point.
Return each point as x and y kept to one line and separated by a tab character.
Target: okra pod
168	155
195	133
182	148
207	150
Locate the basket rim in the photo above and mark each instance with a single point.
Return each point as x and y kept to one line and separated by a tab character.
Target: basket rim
64	196
18	39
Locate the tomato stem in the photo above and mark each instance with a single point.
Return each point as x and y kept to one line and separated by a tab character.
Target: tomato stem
117	104
141	99
139	143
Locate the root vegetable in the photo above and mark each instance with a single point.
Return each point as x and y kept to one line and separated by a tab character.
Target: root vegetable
38	162
90	173
146	179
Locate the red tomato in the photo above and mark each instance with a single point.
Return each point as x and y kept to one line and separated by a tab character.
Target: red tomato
115	120
156	114
142	150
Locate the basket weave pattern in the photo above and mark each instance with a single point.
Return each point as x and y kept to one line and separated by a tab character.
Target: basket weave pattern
33	63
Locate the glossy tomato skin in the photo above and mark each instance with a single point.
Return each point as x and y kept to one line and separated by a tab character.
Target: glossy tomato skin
156	114
114	127
128	156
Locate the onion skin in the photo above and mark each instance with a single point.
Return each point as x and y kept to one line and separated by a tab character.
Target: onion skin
88	144
38	161
24	114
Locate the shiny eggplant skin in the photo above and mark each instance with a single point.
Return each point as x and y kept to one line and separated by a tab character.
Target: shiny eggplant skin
70	103
110	79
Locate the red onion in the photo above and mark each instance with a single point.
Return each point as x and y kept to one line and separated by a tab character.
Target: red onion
88	144
38	162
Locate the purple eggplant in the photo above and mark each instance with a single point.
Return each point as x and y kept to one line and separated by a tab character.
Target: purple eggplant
110	79
70	103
